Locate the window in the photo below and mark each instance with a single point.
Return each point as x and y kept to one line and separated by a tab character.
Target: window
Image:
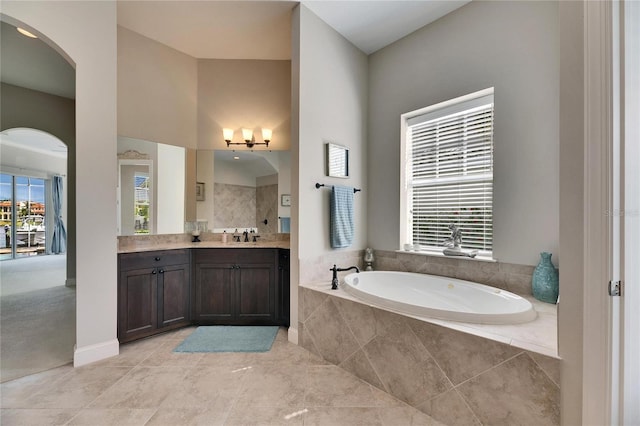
447	178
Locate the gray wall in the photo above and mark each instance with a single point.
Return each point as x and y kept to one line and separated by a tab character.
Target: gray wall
20	107
512	46
333	108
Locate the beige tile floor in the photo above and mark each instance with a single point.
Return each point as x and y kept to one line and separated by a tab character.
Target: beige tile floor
148	384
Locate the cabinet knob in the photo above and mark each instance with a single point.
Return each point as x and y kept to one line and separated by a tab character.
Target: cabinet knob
154	272
162	271
157	259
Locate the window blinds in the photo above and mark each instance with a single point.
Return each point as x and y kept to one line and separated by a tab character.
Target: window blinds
450	175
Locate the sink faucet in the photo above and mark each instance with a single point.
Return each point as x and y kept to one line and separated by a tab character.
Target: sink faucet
246	236
335	270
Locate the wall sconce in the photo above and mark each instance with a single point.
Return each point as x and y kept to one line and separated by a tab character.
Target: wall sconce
249	138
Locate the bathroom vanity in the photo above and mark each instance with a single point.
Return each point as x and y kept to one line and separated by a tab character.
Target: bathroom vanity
161	290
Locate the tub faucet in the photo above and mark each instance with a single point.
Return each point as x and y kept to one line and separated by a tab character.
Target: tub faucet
335	270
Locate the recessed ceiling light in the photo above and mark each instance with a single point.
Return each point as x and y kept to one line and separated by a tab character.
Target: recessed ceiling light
235	157
26	33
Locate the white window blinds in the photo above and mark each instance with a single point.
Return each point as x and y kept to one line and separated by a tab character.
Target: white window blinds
449	174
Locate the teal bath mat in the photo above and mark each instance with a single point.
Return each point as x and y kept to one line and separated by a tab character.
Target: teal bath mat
228	338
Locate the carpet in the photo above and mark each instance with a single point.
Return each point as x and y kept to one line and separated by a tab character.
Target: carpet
228	338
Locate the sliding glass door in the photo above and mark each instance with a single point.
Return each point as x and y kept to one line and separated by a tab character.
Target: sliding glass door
22	216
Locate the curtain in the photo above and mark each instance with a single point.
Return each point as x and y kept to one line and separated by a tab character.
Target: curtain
59	240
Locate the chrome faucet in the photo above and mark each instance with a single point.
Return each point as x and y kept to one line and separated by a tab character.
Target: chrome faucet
335	270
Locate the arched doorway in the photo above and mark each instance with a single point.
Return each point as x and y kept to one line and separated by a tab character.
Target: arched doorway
37	138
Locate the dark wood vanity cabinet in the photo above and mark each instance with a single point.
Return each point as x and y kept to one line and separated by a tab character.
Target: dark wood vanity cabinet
153	293
163	290
235	286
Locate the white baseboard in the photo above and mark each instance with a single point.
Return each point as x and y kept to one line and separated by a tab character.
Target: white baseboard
70	282
92	353
293	335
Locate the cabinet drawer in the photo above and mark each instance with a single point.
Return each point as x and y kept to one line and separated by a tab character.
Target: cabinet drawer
152	259
234	255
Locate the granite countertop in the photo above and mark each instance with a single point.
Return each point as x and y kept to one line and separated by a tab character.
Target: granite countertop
181	241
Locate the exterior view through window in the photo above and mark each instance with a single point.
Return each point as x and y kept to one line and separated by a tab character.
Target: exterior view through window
141	205
22	216
447	173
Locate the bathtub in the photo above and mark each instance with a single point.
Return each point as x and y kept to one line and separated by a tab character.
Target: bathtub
439	297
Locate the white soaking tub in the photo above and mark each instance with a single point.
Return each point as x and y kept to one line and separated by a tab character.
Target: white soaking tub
439	297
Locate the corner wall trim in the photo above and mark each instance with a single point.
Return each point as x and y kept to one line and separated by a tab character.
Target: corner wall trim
293	335
92	353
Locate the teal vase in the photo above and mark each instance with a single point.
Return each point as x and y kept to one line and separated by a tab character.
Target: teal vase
545	280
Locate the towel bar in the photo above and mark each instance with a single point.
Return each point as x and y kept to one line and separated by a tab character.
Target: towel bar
320	185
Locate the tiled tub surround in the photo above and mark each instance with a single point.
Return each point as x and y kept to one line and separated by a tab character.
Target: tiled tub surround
507	276
455	377
539	336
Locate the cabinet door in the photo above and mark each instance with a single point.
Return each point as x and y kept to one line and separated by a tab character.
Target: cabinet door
256	292
173	295
213	292
282	289
137	295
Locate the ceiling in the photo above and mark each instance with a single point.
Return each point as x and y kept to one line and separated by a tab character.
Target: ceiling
262	29
31	63
224	30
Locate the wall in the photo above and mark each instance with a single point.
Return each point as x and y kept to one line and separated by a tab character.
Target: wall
157	91
572	207
512	46
333	108
86	33
20	107
329	103
171	189
244	93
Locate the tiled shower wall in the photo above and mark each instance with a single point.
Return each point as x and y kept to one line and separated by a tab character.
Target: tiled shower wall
456	378
267	208
239	206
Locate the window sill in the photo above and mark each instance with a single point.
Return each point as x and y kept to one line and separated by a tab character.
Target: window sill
440	254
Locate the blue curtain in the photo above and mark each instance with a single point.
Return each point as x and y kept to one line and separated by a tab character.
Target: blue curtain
59	240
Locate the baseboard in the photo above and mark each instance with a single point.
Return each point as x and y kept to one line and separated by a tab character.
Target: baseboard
70	282
92	353
293	335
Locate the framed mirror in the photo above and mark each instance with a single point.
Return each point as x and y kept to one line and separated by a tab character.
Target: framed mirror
337	160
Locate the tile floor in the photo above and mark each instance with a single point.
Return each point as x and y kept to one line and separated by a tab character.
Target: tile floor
148	384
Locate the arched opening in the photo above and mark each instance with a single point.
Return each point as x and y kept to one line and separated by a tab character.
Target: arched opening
37	212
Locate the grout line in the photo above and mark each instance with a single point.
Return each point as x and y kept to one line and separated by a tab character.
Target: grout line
466	403
491	368
543	369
